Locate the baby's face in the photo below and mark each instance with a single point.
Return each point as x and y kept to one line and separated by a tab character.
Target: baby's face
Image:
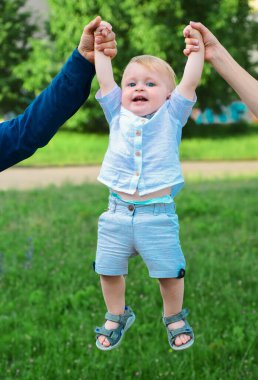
143	90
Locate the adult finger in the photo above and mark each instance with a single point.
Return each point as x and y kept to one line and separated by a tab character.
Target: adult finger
190	48
187	31
199	26
186	52
110	52
93	25
191	41
101	39
106	45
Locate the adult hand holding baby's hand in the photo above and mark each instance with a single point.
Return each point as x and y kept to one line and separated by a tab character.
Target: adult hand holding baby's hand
104	41
193	40
103	31
211	43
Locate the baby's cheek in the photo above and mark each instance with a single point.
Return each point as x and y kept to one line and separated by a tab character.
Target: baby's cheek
125	98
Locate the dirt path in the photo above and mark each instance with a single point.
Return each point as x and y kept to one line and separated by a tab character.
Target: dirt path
29	178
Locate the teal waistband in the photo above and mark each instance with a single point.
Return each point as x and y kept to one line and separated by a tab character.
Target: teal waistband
164	199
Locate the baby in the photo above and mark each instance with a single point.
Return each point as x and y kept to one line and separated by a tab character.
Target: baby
142	170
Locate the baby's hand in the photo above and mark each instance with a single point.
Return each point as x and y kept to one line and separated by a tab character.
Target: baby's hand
103	30
190	32
193	39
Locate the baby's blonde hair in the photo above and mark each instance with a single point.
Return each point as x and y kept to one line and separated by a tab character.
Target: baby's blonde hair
157	64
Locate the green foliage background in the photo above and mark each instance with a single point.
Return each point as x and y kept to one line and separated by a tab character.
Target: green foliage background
14	35
141	26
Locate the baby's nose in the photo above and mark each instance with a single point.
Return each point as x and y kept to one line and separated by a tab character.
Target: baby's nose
139	86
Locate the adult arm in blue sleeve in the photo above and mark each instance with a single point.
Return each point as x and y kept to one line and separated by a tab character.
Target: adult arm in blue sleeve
23	135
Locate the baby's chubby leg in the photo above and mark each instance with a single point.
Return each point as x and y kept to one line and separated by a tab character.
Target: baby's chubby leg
172	291
113	289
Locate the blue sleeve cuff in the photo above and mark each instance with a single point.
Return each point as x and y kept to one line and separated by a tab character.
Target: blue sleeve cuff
185	101
111	102
114	93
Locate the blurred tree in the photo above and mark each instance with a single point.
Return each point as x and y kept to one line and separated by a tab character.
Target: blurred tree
236	27
16	29
143	27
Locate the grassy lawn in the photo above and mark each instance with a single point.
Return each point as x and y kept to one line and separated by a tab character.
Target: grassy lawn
69	148
50	298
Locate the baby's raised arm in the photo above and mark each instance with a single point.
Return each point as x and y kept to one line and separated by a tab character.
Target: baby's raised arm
193	68
103	64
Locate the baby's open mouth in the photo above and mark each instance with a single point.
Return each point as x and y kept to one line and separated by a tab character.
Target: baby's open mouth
140	99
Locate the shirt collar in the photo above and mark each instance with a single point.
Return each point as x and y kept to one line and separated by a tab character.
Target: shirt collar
134	118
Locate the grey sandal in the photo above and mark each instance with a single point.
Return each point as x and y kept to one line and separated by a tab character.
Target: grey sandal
115	336
186	329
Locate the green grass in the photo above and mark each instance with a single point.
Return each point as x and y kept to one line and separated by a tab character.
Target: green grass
226	148
50	298
69	148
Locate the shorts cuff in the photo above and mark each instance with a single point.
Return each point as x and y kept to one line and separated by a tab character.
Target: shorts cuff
175	274
110	272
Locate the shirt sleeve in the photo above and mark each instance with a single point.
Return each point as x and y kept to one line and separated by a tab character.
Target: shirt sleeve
23	135
110	103
180	107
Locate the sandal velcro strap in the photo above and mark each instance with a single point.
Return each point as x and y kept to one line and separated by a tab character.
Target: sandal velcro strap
176	318
186	329
121	318
112	335
103	331
113	317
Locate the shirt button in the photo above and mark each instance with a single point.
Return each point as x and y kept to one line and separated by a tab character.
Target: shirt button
138	133
143	121
137	174
130	207
138	153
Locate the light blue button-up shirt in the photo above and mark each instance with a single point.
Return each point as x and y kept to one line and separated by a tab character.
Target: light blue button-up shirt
143	154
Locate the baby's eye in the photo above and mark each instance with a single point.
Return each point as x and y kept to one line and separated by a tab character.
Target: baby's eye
132	84
150	84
